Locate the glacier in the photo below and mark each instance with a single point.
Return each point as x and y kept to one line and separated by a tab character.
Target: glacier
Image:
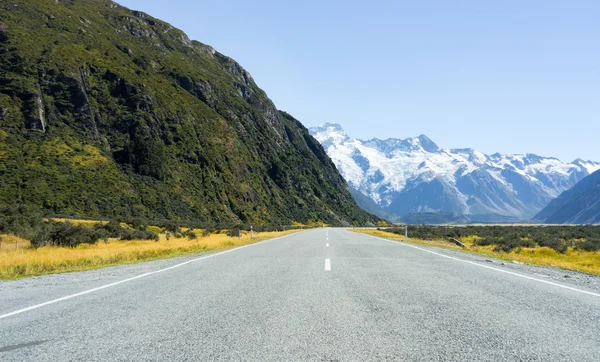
414	175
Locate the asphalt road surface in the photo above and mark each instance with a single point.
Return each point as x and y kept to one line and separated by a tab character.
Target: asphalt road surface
319	295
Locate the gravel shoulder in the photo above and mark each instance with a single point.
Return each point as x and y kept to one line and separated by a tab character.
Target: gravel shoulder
564	276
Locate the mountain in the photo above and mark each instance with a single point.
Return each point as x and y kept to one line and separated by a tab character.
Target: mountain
414	175
105	112
579	205
370	206
435	218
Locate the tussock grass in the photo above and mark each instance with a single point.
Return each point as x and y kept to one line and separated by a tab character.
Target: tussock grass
573	259
80	222
27	262
12	243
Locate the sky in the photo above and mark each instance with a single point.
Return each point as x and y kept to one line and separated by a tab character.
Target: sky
507	76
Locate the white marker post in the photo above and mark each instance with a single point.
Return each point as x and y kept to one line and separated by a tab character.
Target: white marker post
405	232
251	233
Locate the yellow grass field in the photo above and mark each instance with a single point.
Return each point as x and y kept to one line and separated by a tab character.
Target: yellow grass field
18	260
588	262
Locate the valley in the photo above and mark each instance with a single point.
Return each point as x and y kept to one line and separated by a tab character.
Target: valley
159	201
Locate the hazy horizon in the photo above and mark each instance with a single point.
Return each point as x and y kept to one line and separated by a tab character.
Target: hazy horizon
497	77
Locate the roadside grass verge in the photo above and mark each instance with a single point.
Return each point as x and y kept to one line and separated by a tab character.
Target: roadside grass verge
25	261
573	259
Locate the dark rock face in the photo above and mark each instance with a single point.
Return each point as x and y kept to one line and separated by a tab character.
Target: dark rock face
111	112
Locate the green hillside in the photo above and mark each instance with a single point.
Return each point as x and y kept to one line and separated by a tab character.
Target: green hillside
108	112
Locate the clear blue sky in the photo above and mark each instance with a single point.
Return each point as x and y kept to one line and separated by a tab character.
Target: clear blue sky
510	76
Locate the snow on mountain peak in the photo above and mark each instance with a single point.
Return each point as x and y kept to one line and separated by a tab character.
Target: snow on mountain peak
414	174
589	166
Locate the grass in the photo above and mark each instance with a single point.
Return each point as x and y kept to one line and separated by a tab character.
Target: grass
25	261
81	222
584	261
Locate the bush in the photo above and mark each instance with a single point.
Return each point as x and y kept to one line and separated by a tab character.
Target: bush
190	235
172	227
138	235
234	233
20	220
590	245
66	234
206	233
488	240
556	244
512	241
113	229
138	223
507	238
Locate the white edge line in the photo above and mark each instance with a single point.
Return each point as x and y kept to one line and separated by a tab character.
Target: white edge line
327	265
486	266
134	278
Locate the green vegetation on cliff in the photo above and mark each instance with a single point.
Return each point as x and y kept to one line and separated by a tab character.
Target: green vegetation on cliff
108	112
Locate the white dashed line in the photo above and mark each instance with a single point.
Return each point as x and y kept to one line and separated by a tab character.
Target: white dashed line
327	265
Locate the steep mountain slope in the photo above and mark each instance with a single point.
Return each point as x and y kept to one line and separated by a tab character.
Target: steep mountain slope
579	205
106	111
414	175
370	206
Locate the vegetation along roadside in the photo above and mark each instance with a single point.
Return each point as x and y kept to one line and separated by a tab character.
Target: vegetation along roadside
30	246
568	247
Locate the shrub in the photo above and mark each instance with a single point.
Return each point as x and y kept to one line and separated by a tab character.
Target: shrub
66	234
488	240
23	221
206	233
113	229
556	244
190	234
138	223
590	245
138	235
512	241
172	227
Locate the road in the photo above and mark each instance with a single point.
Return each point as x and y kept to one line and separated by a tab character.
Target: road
319	295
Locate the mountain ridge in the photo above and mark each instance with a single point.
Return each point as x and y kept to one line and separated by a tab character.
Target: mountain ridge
415	175
578	205
109	112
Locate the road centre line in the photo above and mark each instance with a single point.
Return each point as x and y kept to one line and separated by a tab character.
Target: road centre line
327	265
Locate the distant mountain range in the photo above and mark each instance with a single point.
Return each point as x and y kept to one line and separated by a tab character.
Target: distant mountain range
415	176
579	205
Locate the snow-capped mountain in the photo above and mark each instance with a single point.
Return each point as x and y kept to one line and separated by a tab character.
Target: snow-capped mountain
411	175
